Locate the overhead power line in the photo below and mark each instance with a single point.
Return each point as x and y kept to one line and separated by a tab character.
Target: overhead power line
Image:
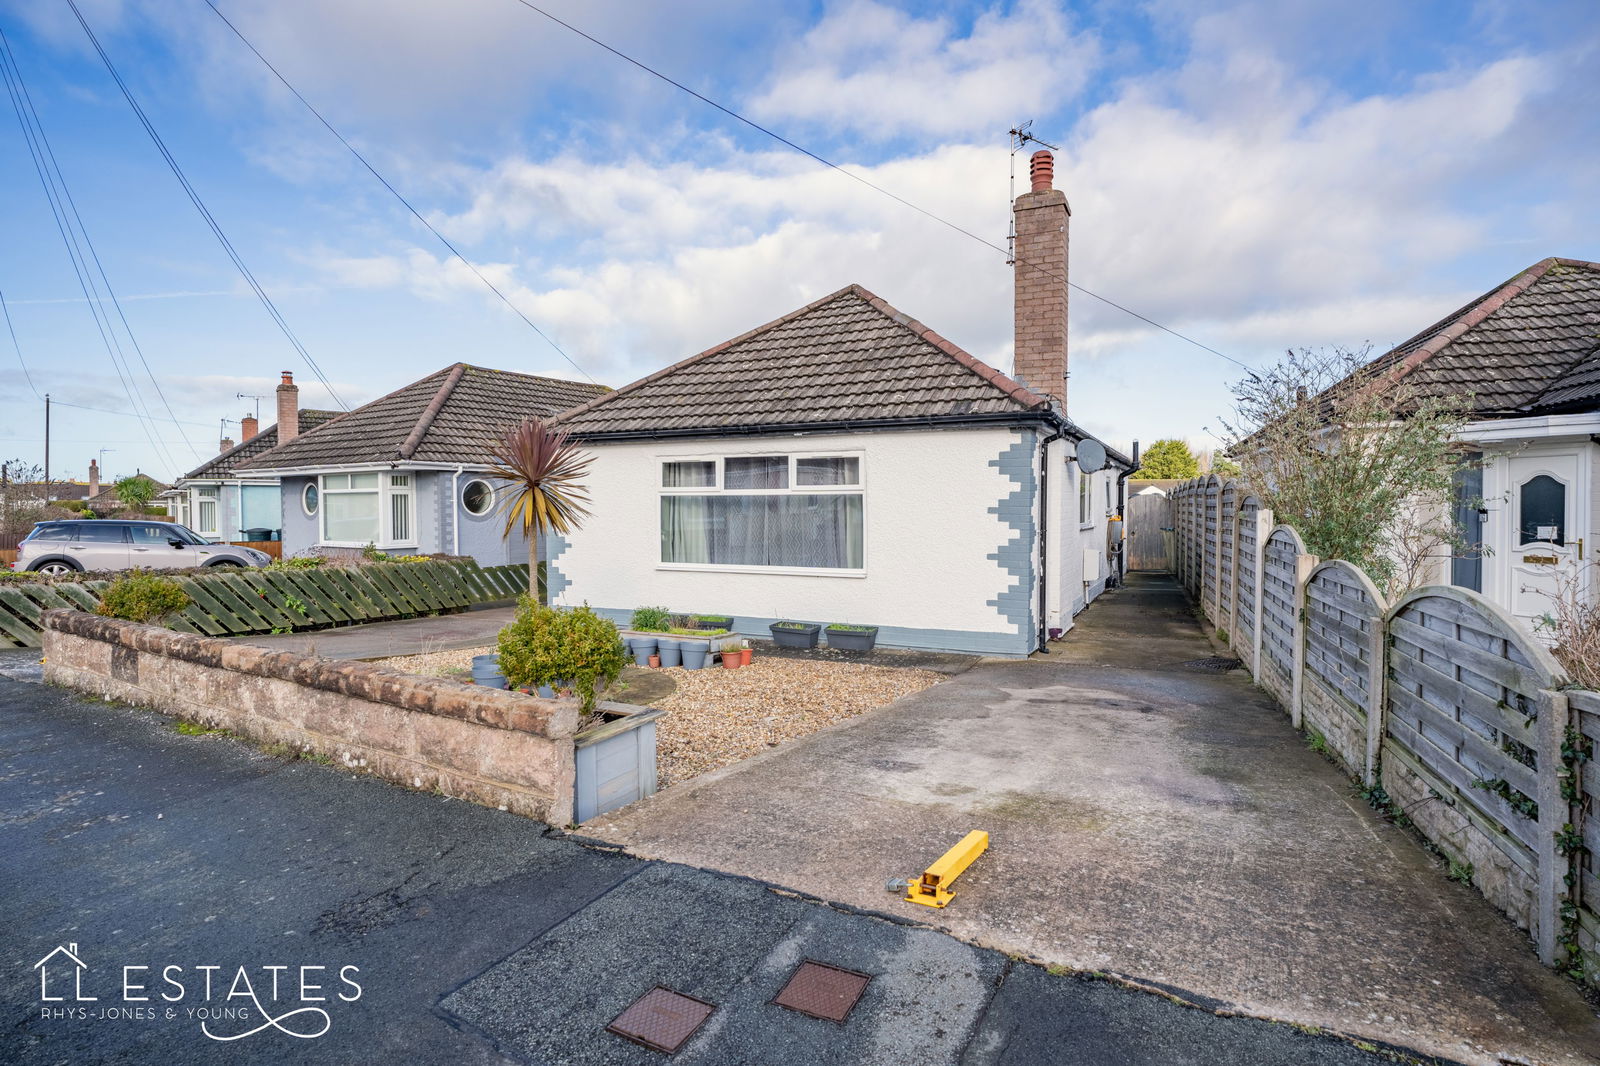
736	116
20	361
397	195
205	213
75	237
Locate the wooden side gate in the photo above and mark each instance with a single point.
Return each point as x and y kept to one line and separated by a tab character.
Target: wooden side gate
1149	531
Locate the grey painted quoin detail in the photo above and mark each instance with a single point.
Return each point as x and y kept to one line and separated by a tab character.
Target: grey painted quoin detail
1015	556
555	582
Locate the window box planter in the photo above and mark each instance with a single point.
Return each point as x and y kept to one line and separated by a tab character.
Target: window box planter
713	621
853	638
795	634
615	760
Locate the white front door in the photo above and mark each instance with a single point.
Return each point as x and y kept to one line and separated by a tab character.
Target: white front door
1547	510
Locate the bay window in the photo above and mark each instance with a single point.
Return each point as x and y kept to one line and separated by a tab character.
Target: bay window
366	508
775	511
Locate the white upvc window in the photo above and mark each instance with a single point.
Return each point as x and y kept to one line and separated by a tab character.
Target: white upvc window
358	509
795	513
205	511
1084	498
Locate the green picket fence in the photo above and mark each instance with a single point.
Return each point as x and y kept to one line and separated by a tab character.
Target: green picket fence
236	601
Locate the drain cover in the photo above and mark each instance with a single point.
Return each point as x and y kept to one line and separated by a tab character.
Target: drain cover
661	1019
1214	664
823	991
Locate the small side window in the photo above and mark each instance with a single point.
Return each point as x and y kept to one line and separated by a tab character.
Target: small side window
477	497
309	497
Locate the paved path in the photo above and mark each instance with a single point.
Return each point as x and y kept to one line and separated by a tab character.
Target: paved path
480	938
1146	819
407	636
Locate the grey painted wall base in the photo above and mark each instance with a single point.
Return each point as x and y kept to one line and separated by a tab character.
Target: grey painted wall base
998	645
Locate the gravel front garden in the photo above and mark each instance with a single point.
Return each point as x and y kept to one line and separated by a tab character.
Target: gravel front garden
719	717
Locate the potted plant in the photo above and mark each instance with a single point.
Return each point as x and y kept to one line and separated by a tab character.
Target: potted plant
574	649
788	634
731	659
712	621
745	654
846	637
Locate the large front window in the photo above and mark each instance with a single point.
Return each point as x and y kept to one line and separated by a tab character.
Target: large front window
779	511
369	508
205	511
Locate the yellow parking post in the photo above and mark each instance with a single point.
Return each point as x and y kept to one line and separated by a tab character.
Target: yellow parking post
933	888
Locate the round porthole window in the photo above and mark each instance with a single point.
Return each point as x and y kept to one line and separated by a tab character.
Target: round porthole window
308	498
477	497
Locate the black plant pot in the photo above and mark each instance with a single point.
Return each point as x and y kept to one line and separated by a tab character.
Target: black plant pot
714	621
795	635
853	639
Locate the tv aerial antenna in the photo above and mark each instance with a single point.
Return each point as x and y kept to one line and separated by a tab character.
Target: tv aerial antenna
1020	139
249	396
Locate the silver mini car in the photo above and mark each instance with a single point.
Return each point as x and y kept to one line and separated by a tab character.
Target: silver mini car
122	544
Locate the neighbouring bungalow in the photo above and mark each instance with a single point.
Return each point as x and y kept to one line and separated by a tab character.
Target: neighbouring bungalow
219	501
1527	354
408	472
845	463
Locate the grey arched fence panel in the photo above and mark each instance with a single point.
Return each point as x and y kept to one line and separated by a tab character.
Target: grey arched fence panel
1278	621
1227	511
1586	721
1245	599
1343	663
1471	718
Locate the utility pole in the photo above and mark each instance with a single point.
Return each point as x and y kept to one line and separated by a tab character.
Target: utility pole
47	448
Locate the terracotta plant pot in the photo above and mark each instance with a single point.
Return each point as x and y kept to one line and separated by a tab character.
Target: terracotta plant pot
732	660
655	660
744	656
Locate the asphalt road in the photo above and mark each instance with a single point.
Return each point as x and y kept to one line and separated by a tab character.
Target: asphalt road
472	936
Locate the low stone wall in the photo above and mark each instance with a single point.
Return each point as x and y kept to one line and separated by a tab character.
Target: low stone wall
502	749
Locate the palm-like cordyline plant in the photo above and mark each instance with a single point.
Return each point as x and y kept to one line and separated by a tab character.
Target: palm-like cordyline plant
544	466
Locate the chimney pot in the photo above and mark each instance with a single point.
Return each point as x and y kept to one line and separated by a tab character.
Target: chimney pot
288	409
1042	170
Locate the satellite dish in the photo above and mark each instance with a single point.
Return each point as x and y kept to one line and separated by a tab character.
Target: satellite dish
1091	456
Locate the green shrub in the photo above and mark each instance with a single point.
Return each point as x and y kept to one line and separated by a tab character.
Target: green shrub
411	559
298	562
651	619
372	555
846	627
140	596
560	648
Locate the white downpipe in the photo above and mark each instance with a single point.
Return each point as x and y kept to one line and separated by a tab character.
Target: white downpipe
455	513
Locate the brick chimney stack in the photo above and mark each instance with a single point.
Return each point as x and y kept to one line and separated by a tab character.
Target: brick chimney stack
224	445
248	427
94	478
1040	317
288	409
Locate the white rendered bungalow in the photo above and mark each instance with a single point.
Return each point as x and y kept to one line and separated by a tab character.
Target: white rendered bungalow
845	463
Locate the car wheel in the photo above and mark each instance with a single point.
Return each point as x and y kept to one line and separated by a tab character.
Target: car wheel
55	568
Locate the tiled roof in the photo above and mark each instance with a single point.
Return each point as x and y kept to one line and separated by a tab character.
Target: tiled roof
847	358
223	465
447	417
1530	346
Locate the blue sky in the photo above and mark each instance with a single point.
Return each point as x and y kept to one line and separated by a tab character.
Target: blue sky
1256	175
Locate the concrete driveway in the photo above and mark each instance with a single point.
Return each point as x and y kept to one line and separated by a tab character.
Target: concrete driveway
1148	820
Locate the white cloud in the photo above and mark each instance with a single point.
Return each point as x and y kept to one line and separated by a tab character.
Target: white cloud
883	73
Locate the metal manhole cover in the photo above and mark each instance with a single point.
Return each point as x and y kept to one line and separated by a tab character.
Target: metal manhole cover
1213	664
823	991
661	1019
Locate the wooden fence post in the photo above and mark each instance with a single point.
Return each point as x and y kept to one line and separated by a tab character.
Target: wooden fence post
1264	524
1377	697
1553	866
1303	565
